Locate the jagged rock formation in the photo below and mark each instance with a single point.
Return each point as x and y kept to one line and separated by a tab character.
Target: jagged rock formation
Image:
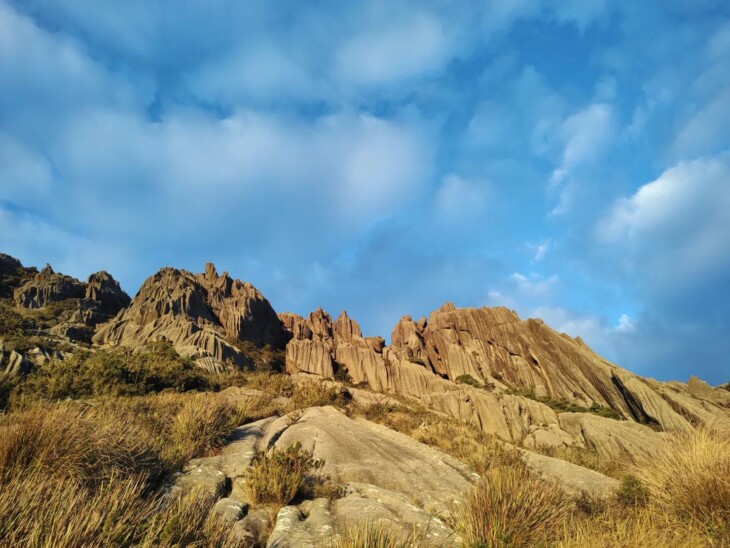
203	315
483	366
510	358
48	287
78	306
322	347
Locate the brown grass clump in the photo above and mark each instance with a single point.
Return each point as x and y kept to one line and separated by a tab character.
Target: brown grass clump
188	521
315	394
203	425
88	473
690	478
468	444
639	527
374	535
274	384
277	476
510	506
77	442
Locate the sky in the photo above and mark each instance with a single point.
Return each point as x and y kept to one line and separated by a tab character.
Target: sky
567	159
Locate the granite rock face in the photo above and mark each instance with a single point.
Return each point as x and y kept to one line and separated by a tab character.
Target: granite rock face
514	368
48	287
77	306
203	315
386	476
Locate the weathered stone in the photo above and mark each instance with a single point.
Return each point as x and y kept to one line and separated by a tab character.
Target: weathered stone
230	509
249	532
309	356
363	452
198	314
572	478
17	364
106	294
48	287
611	438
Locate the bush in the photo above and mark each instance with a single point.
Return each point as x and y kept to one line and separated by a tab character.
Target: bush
278	475
112	372
82	474
632	492
511	506
341	375
468	379
374	535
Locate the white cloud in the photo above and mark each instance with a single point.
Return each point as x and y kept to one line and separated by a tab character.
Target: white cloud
48	79
391	51
625	324
590	328
585	137
459	200
674	229
533	284
541	249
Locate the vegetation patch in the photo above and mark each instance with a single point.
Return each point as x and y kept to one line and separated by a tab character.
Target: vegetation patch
88	473
561	405
510	506
278	475
117	372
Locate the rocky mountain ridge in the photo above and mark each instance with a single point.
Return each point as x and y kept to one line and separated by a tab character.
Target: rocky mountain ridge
517	379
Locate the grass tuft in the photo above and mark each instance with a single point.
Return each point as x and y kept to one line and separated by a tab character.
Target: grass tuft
510	506
278	475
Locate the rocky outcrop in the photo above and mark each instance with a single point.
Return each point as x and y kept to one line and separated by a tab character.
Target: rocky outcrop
203	315
510	358
48	287
386	476
78	306
107	296
322	347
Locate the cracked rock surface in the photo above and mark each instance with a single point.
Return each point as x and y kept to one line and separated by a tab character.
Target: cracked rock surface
387	476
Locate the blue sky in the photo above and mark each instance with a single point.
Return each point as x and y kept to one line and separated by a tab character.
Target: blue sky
568	159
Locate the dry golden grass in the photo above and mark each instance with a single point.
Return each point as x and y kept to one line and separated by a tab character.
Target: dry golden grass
510	506
464	442
87	474
690	479
374	535
203	425
315	393
188	521
636	527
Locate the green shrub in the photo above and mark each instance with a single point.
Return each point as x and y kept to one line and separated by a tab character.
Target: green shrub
278	475
264	358
112	372
468	379
416	360
341	375
632	492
